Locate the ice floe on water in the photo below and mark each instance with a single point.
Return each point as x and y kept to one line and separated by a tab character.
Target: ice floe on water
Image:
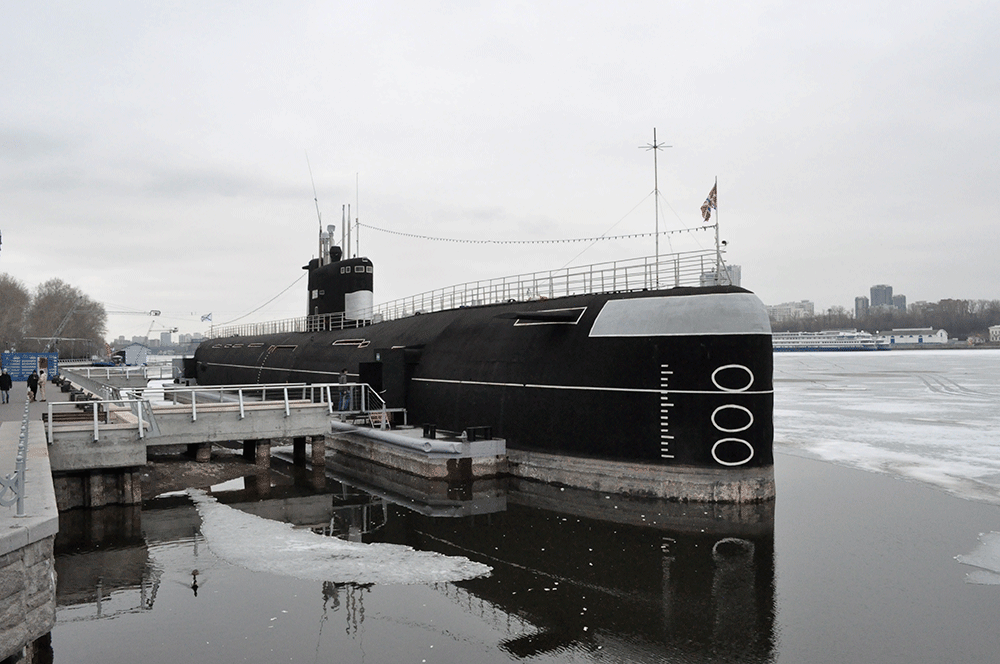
985	557
263	545
931	416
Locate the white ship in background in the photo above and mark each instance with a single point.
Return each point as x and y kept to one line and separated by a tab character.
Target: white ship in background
834	340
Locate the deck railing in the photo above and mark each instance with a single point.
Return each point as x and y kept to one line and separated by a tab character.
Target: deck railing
692	268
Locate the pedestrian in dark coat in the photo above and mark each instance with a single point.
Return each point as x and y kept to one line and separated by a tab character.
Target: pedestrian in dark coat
6	382
32	385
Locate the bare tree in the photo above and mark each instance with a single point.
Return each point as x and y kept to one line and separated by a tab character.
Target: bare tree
60	310
14	299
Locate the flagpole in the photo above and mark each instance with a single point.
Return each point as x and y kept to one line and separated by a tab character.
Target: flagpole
718	249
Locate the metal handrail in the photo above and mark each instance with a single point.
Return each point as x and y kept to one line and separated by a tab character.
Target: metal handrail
15	481
334	395
108	372
136	406
672	270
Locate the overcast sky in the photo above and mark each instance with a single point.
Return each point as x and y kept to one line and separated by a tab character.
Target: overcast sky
154	154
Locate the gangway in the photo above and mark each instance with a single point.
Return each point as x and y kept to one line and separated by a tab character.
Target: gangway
117	431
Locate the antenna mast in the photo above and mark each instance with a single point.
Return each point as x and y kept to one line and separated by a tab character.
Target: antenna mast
319	217
656	147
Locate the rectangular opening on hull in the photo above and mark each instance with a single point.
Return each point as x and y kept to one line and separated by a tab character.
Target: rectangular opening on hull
360	343
570	316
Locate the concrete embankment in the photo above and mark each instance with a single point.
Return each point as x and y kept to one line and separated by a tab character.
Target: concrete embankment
27	569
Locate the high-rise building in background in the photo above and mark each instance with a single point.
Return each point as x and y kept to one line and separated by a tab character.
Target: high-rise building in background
899	301
881	295
860	307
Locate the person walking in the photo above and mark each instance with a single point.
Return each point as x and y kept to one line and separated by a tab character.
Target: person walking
6	382
345	392
32	385
42	378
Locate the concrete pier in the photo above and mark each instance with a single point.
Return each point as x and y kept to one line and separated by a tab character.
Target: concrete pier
317	449
258	451
454	460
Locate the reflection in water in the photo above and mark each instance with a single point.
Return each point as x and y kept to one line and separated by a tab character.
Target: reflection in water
593	572
574	572
102	563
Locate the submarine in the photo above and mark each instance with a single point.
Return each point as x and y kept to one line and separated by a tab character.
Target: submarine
660	389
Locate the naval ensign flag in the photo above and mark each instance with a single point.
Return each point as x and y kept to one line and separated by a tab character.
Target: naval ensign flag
709	204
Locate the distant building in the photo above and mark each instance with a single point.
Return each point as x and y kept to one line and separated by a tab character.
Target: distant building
791	310
731	276
860	307
881	295
899	301
133	354
914	336
994	333
165	339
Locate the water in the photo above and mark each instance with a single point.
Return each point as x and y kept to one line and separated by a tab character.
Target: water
929	416
846	565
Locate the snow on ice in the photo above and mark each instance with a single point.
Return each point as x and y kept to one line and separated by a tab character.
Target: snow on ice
263	545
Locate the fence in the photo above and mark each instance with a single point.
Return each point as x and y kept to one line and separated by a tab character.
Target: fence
692	268
14	483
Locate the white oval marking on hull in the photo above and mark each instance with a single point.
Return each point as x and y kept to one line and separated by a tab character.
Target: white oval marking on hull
732	389
731	440
737	407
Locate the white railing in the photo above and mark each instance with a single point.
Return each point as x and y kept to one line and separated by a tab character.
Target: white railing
14	483
97	373
301	324
647	273
338	397
140	408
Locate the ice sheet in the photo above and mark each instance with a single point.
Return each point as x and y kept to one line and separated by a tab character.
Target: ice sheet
931	416
985	557
263	545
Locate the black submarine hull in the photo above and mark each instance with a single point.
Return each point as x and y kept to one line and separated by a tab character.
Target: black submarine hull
679	377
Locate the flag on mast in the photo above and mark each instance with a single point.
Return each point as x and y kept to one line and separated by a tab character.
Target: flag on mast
709	204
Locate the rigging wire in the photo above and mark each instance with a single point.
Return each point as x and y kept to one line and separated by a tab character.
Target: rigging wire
552	241
604	235
266	303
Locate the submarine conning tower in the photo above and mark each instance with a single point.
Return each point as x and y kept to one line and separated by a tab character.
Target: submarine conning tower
339	285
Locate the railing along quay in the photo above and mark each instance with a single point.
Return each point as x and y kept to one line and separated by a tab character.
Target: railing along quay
646	273
14	483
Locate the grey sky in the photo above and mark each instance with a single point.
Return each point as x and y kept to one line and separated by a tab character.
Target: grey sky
154	154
